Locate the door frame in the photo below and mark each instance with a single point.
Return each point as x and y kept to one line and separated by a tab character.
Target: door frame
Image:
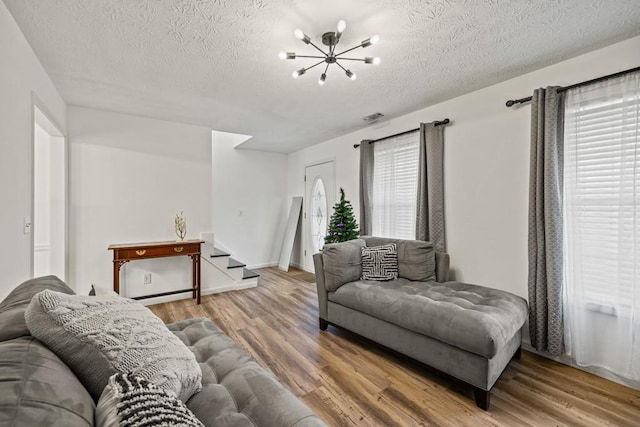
305	236
36	103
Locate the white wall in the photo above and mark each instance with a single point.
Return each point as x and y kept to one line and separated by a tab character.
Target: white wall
21	77
249	210
486	166
129	177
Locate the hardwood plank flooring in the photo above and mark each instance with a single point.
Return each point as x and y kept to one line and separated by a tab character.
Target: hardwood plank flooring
347	381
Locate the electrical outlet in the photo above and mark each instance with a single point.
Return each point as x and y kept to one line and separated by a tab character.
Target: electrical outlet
147	278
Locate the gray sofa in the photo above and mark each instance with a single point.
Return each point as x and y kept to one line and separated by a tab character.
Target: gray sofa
467	331
38	389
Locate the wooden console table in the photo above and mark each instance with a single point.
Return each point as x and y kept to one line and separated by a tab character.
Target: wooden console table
123	253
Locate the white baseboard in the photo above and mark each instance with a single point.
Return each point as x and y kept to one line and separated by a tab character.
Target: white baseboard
247	285
220	289
210	291
263	265
166	298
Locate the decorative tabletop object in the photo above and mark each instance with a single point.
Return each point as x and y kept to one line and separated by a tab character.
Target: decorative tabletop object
181	225
343	225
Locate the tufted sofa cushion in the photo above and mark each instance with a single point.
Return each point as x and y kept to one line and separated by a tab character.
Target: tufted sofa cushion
236	391
474	318
38	389
12	308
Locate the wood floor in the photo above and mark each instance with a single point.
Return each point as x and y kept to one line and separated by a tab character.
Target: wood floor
347	381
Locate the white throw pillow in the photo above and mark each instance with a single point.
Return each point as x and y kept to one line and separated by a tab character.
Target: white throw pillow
100	336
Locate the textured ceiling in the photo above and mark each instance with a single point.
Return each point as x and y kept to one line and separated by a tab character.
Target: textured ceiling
215	62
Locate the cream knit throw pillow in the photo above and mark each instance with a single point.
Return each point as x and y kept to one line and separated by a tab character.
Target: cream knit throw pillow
100	336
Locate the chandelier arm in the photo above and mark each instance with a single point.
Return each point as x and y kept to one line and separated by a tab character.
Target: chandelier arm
323	52
314	65
338	64
348	50
311	56
352	59
326	68
332	49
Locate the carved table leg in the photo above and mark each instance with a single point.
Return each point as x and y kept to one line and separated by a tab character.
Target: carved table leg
194	268
198	277
116	277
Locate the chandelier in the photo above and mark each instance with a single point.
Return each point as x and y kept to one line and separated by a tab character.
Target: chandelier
331	39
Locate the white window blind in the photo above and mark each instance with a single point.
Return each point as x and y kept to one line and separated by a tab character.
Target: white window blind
602	193
395	186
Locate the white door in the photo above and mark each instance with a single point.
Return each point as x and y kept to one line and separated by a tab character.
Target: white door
320	192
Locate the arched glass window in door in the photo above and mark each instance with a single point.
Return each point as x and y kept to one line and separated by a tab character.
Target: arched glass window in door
318	210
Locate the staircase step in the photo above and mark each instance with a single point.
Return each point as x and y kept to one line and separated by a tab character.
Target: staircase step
235	263
218	253
249	274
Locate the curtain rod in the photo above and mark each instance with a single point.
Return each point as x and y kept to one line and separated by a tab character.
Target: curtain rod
440	123
513	102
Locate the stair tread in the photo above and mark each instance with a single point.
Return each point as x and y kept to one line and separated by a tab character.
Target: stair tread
249	274
218	253
235	263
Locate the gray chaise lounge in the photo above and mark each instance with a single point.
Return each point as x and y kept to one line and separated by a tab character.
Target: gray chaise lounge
467	331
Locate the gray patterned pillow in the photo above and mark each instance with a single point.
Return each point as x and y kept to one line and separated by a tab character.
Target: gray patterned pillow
130	401
100	336
380	262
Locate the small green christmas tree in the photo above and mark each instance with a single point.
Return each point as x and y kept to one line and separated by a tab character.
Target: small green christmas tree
343	225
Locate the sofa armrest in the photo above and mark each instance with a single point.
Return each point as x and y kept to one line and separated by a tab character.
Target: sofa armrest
442	267
323	294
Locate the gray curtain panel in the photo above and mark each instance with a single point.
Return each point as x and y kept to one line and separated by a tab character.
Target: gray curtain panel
545	221
366	186
430	208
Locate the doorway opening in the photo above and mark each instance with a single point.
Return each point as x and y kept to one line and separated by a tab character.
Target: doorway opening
49	198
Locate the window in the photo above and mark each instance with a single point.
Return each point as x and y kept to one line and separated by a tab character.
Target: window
395	186
602	194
